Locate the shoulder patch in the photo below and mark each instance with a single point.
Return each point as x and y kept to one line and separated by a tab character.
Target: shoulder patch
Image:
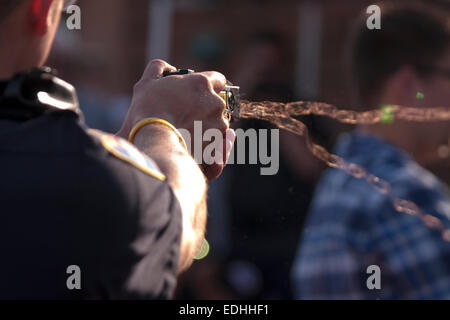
125	151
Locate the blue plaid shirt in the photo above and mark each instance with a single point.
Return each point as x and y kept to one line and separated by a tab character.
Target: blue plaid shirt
351	226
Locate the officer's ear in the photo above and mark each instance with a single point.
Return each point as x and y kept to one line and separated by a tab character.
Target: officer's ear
39	11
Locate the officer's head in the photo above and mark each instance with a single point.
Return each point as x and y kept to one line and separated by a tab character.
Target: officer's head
27	30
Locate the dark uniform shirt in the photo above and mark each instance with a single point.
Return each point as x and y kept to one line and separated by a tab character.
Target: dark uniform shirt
70	197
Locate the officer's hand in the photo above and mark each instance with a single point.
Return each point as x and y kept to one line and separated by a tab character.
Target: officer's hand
181	100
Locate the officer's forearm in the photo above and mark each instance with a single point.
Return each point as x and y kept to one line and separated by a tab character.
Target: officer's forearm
186	180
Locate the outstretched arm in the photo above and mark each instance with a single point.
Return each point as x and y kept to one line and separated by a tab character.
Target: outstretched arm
180	100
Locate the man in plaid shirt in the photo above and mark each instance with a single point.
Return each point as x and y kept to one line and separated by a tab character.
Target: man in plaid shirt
351	225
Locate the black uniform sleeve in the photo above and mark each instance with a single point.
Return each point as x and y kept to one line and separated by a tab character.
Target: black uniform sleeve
141	230
67	200
157	244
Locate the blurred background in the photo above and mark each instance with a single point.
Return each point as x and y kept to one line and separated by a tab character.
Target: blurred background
281	50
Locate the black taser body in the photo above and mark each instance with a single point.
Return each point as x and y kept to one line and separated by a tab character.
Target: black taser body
230	94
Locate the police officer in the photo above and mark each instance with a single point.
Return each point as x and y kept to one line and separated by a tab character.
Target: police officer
85	214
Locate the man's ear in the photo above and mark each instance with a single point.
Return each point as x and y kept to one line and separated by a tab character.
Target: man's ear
38	13
403	86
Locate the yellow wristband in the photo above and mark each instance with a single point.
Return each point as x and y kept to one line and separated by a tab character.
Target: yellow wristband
147	121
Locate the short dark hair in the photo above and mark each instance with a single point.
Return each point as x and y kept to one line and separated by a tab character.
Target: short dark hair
411	35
